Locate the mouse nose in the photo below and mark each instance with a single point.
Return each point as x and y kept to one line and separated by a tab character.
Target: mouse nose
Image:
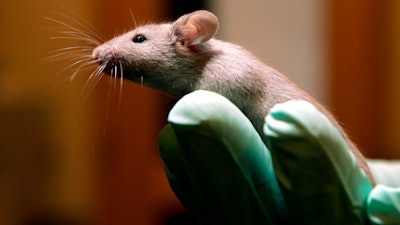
105	54
101	55
96	54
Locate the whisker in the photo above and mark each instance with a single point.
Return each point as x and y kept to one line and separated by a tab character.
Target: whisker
69	28
115	79
133	18
70	11
84	24
91	82
86	39
121	84
110	93
112	78
89	66
76	62
78	69
68	54
122	74
72	48
97	74
76	36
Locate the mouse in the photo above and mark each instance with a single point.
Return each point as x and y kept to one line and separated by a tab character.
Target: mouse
182	56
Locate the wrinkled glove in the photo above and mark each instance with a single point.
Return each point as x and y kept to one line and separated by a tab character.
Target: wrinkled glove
222	171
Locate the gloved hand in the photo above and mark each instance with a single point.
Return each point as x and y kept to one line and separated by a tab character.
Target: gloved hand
220	169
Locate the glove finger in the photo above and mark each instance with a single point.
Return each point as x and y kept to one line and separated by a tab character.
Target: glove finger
180	177
225	163
318	175
384	205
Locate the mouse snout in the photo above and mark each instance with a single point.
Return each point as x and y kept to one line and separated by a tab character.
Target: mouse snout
97	55
108	58
104	54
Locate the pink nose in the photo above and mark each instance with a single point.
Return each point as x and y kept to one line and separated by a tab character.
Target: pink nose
96	54
105	54
102	55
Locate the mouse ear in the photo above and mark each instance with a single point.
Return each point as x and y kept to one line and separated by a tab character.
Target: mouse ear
196	28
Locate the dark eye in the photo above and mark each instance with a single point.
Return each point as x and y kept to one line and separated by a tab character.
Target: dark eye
140	38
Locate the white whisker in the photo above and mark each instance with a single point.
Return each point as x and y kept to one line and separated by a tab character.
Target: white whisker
113	78
83	37
72	48
110	93
133	18
86	39
85	25
79	68
70	29
121	74
80	60
91	82
121	84
72	55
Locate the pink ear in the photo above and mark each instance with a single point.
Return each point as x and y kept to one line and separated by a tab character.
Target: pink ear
196	28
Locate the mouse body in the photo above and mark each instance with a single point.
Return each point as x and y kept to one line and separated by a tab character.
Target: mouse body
183	56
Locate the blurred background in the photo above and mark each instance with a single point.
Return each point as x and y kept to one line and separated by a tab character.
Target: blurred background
74	157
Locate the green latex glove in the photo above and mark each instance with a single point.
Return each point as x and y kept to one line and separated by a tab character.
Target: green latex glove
218	165
221	170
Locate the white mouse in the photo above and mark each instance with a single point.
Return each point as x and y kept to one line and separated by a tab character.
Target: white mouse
183	56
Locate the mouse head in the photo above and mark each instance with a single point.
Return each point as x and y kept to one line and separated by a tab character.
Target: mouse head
156	53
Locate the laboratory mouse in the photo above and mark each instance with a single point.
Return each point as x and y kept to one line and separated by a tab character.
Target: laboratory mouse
183	56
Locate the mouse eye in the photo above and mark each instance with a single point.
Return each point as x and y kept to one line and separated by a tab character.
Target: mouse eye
140	38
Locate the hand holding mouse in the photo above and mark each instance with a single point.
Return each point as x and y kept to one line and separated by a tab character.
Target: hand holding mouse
221	170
